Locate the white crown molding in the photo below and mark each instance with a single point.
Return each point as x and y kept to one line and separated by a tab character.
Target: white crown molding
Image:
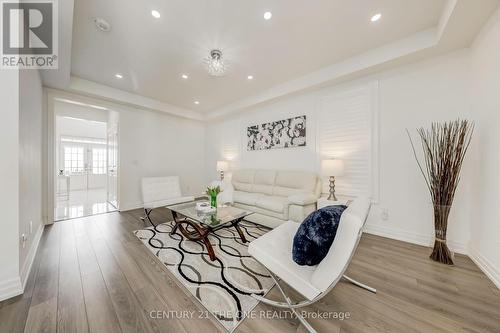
358	64
372	58
448	10
97	90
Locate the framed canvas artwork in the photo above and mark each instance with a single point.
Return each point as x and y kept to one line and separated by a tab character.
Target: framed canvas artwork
284	133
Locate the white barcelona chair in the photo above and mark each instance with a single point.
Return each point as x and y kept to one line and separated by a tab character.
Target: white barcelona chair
274	251
161	192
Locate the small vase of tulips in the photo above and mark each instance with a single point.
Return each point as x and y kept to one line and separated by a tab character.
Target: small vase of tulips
212	192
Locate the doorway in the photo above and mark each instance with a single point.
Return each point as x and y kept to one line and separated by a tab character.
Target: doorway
86	160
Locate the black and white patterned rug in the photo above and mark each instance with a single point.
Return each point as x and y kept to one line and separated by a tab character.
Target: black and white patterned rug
223	286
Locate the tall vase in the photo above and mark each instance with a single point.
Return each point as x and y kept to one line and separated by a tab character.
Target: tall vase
441	253
213	200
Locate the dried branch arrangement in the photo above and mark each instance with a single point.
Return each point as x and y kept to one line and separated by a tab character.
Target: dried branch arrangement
444	148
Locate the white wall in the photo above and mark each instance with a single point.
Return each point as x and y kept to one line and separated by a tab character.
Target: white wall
409	97
81	128
10	283
157	144
30	166
151	144
485	96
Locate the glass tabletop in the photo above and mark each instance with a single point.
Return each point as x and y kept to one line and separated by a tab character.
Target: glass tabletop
221	216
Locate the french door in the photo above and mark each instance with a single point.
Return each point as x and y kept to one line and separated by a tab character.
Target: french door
84	162
112	168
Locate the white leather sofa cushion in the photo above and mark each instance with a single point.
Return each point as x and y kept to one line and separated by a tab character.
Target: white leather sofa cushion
294	182
275	204
351	225
302	199
246	198
243	180
304	187
274	250
264	181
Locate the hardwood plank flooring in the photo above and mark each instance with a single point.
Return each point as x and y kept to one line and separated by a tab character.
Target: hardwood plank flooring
93	275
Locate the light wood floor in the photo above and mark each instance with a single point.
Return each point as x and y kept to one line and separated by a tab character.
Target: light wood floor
92	274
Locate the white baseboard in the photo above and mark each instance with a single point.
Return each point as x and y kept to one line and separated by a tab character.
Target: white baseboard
28	262
426	240
15	286
10	288
411	237
485	265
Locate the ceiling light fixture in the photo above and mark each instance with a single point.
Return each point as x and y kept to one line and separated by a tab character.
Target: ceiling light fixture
118	76
376	17
215	63
250	77
185	76
268	15
196	102
155	13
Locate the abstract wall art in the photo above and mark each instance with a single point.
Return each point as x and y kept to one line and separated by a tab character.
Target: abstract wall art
277	134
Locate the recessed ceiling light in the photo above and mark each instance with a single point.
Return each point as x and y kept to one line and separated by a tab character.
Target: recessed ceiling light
250	77
184	76
376	17
268	15
118	76
196	102
155	13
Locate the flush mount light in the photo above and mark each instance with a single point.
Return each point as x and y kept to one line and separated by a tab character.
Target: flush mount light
250	77
101	24
155	13
376	17
184	76
268	15
215	63
196	102
118	76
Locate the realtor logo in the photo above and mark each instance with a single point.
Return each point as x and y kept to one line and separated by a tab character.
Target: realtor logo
29	34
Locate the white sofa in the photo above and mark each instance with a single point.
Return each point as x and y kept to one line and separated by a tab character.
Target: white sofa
276	196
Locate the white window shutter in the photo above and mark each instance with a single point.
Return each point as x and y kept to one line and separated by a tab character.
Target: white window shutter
345	123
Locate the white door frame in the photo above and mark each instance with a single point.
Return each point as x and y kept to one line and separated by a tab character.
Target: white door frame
52	95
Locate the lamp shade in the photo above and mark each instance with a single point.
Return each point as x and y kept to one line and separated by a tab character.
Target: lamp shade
332	167
222	166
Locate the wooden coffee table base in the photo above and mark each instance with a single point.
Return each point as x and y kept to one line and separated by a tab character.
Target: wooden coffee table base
200	233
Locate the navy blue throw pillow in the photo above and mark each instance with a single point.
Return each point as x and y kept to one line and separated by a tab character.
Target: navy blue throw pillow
316	234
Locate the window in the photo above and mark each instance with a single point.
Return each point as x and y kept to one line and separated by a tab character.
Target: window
73	159
98	161
346	130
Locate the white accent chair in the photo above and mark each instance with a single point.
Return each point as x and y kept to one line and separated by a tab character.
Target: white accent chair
274	251
161	192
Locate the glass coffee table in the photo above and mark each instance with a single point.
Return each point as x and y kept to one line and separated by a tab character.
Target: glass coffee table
196	225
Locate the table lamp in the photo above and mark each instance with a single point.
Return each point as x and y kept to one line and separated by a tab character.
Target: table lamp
332	168
221	167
